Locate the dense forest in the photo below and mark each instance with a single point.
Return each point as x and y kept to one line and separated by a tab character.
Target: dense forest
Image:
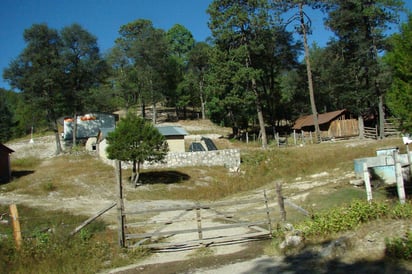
256	69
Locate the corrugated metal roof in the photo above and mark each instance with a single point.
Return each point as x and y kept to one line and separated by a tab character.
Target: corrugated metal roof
171	130
323	118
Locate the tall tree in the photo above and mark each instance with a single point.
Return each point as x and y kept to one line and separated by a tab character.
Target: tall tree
399	58
147	49
6	118
180	41
37	72
235	27
304	29
360	26
198	65
136	140
125	81
83	67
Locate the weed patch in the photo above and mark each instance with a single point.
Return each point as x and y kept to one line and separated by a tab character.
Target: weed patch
48	248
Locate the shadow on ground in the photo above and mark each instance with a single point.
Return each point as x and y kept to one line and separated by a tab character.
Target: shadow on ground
392	191
20	173
311	263
163	177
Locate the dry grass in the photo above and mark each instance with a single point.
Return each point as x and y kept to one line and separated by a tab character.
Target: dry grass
83	174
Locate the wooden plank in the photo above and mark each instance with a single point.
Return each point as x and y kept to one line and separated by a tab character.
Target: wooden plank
367	182
91	219
399	183
220	215
160	229
234	220
194	206
305	212
185	231
120	205
211	241
14	214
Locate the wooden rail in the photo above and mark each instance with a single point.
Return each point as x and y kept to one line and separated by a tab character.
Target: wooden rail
200	224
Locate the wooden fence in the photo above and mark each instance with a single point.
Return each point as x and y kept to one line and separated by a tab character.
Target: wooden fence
200	224
370	132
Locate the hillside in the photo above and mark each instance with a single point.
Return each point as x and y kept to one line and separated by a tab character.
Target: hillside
79	183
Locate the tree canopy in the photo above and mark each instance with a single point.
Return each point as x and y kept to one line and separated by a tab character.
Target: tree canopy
399	58
136	140
251	73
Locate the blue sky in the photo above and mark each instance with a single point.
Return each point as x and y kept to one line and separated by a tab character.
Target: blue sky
103	19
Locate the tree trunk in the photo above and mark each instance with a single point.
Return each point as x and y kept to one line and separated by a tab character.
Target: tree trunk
202	102
74	129
154	110
154	113
260	116
136	173
57	136
381	117
143	110
361	127
309	73
258	106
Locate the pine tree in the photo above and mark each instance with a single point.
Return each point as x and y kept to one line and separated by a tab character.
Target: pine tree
136	140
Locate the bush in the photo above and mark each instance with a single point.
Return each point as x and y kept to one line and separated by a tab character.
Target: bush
349	217
400	248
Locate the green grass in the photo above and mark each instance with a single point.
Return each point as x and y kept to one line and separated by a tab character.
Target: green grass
48	247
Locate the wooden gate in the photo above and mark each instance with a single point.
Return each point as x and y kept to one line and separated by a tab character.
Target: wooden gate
197	224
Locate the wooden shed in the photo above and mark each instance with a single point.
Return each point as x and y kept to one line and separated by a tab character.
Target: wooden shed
175	137
5	168
335	124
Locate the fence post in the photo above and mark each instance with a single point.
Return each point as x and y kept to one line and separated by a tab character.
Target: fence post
281	201
268	213
294	137
16	225
120	206
199	222
399	178
409	157
367	182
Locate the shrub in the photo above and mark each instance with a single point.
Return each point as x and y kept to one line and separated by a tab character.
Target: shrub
400	248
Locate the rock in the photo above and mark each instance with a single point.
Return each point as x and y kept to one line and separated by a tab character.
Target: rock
335	248
291	241
357	182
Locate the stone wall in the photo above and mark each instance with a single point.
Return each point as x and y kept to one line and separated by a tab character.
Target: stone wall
229	158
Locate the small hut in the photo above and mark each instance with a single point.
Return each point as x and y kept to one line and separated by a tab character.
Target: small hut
335	124
175	137
5	168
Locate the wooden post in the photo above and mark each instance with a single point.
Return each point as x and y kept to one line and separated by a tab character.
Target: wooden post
367	182
16	225
399	178
409	157
361	127
199	222
281	201
268	213
399	183
91	219
120	206
294	137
